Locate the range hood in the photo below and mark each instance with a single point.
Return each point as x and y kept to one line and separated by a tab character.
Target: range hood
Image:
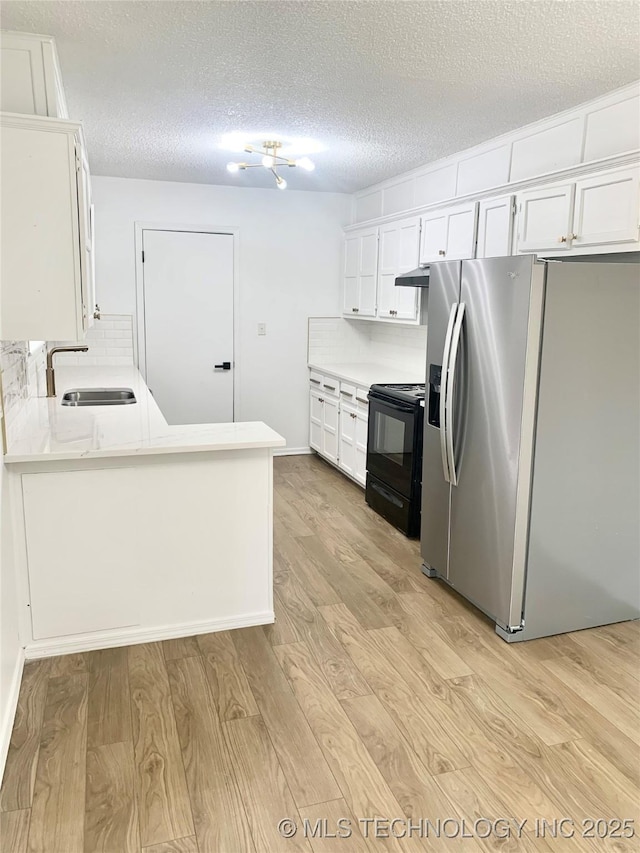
415	278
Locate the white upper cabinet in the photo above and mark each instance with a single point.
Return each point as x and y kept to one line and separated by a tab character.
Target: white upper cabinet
495	227
607	209
544	218
433	242
449	234
46	230
399	250
599	213
360	273
30	80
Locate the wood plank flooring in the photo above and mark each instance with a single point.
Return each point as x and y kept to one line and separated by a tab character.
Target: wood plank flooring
377	694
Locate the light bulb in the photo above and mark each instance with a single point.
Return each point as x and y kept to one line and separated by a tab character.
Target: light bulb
281	183
232	167
306	164
268	161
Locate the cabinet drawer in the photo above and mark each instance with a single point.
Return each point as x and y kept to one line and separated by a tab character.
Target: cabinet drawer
348	392
315	378
362	399
330	385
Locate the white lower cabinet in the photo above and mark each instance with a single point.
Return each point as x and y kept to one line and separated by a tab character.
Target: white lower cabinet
338	426
323	430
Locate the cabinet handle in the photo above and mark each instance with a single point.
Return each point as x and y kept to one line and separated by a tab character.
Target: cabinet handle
562	239
441	252
329	387
573	237
320	400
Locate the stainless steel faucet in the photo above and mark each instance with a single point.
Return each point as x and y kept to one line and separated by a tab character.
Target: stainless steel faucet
51	376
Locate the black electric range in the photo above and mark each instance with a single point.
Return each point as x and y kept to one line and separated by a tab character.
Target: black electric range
394	454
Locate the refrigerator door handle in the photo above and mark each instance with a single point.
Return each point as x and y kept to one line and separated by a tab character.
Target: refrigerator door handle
451	372
446	353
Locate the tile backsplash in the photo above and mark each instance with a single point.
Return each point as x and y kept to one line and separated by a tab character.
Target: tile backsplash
334	340
23	378
110	341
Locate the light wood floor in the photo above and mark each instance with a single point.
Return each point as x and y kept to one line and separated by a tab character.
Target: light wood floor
377	692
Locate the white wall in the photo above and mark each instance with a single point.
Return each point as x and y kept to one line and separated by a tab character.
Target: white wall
290	245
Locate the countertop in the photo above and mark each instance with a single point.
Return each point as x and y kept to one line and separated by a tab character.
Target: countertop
53	432
367	374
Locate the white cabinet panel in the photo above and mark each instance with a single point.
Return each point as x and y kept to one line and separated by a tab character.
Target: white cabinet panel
30	80
330	428
399	248
360	273
348	421
461	236
548	150
544	218
607	209
433	241
315	420
46	230
449	234
613	129
495	227
89	587
362	422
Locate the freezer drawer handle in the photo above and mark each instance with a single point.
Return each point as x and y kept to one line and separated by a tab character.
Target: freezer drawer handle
451	372
443	392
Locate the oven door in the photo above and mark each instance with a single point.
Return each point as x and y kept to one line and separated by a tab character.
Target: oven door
390	443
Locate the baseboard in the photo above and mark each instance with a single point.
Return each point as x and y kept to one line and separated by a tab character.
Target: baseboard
292	451
9	713
133	635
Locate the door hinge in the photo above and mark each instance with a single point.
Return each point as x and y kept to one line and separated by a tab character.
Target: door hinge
143	256
514	208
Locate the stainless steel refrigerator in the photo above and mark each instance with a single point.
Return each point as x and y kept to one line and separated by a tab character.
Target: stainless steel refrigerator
531	460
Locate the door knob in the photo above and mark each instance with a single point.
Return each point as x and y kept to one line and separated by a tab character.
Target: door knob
226	365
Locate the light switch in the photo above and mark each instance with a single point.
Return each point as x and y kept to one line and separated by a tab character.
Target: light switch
262	328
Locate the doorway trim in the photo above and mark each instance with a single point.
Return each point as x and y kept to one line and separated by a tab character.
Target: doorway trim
139	342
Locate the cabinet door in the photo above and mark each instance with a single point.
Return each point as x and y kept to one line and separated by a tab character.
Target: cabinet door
330	428
409	257
433	240
315	420
368	274
22	75
389	266
362	423
350	282
85	222
399	252
348	418
495	227
606	209
544	218
461	232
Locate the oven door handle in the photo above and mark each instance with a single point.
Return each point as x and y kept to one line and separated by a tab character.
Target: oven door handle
446	353
451	373
397	407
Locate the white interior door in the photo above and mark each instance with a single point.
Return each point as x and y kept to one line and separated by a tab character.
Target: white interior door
188	309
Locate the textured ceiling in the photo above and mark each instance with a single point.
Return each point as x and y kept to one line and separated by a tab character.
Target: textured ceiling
385	86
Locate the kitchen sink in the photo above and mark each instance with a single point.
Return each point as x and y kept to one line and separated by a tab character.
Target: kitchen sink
98	397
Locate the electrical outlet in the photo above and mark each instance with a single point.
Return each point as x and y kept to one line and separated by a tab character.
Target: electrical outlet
262	328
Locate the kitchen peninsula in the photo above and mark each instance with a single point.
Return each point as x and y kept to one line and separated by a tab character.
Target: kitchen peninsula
129	530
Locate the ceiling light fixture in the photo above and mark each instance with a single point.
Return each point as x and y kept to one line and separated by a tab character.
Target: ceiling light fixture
270	159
